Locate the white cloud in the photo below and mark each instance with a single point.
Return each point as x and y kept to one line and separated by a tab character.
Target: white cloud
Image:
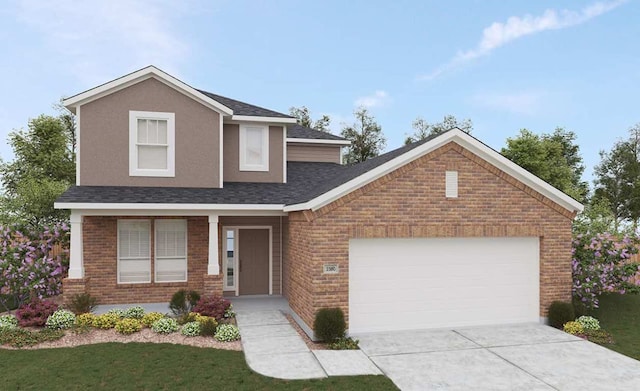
499	34
526	102
97	40
377	99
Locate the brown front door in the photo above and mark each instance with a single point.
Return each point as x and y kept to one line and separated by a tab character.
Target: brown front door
254	261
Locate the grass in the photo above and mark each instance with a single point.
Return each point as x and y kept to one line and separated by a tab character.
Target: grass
620	315
138	366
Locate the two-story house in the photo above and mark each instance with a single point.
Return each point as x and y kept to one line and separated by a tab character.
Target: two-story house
182	188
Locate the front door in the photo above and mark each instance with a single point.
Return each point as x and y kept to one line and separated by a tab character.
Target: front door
254	261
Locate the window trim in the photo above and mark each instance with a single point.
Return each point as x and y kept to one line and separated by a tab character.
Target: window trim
451	184
134	116
119	223
155	250
244	166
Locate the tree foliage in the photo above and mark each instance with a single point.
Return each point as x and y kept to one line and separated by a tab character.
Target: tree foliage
554	158
303	116
423	129
43	168
617	179
366	137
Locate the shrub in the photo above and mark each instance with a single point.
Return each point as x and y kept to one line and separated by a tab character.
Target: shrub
208	327
601	337
192	317
213	306
150	318
117	312
20	337
183	301
8	322
128	326
136	312
106	321
329	324
82	303
61	319
85	320
229	312
191	329
165	326
227	333
560	312
345	343
35	313
589	322
574	328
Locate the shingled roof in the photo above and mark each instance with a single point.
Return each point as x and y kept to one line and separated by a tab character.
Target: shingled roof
299	131
243	108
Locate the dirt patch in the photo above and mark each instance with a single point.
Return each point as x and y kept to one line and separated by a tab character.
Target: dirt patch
310	344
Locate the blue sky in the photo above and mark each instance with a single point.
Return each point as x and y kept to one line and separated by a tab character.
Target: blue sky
504	65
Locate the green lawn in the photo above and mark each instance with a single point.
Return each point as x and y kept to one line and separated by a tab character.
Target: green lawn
137	366
620	315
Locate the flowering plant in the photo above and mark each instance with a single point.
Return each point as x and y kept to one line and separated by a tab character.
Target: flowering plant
165	326
150	318
8	322
573	328
191	329
589	322
128	326
227	333
61	319
136	312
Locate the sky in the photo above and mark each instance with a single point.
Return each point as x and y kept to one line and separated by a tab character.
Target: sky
504	65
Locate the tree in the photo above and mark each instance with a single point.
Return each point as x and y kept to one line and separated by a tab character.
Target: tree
617	179
304	118
366	137
554	158
422	129
43	168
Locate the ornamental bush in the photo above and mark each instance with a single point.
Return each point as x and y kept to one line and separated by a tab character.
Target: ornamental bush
213	306
61	319
589	322
106	321
8	322
560	312
329	324
165	326
136	312
227	333
35	313
82	303
22	337
191	329
574	328
183	301
150	318
85	320
128	326
117	312
345	343
208	327
28	267
601	263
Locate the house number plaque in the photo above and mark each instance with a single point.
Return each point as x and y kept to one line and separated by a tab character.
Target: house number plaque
330	268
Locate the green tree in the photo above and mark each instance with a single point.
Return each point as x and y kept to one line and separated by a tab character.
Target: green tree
617	179
554	158
423	129
366	137
43	168
597	218
303	116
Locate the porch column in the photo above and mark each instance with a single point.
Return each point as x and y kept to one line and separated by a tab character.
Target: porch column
76	264
213	267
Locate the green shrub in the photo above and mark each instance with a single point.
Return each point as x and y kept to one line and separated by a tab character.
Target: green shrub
560	312
346	343
208	327
229	312
227	333
191	317
579	307
85	320
82	303
165	326
21	337
106	321
183	301
61	319
136	312
128	326
8	322
150	318
117	312
574	328
601	337
589	322
329	324
191	329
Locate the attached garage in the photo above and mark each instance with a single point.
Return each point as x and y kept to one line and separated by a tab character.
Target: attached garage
397	284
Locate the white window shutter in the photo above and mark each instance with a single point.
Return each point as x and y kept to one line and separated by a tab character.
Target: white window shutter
451	184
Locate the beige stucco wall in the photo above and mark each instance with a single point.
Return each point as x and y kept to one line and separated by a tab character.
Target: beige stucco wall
104	138
231	166
300	152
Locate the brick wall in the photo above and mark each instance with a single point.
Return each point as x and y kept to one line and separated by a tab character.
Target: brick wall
410	202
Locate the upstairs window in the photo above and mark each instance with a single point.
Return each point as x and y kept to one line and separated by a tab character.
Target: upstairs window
451	184
254	148
151	144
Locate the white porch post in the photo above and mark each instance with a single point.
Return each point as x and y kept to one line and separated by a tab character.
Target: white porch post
213	267
76	264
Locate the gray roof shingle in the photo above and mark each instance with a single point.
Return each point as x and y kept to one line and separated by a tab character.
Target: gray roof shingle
242	108
299	131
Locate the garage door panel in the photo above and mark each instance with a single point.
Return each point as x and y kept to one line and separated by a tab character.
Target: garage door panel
397	284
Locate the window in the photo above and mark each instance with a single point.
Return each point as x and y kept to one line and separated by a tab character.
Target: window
151	144
229	259
451	184
254	148
171	250
134	251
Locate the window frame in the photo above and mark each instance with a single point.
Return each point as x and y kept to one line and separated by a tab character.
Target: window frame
451	184
244	166
155	250
134	116
119	224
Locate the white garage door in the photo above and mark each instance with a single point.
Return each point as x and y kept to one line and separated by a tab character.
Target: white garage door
403	284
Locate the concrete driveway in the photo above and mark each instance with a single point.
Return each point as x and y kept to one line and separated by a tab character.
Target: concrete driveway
512	357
